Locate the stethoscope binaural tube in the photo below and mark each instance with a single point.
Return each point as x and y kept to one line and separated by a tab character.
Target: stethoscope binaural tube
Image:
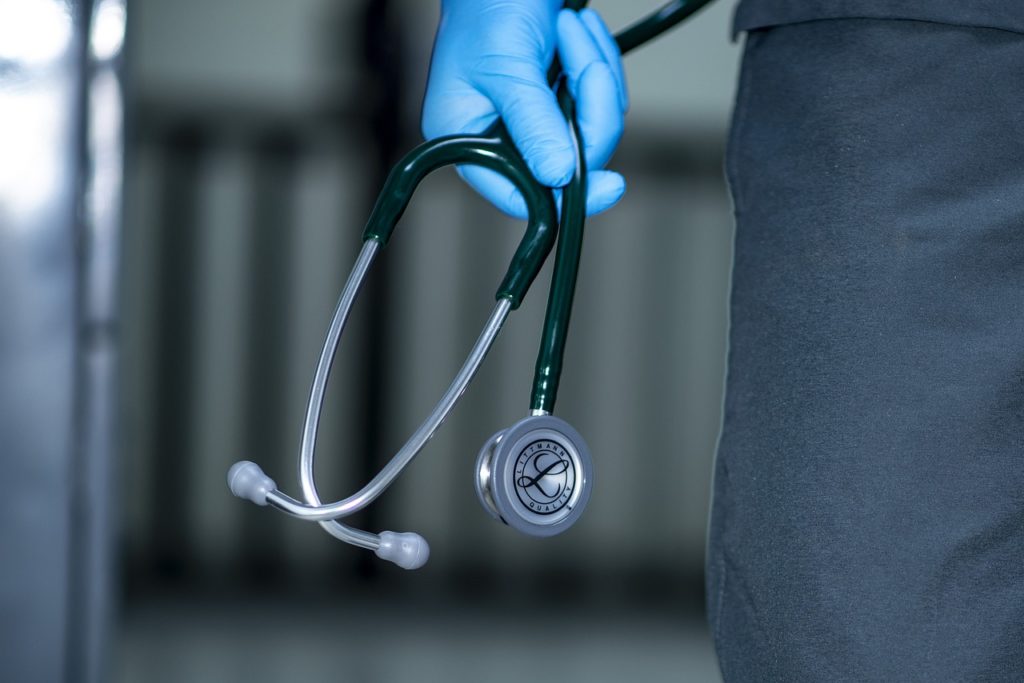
537	475
246	480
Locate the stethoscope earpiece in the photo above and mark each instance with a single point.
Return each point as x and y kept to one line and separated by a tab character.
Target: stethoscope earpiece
247	480
407	549
536	476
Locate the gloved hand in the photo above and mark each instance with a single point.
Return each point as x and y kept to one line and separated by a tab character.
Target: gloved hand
491	59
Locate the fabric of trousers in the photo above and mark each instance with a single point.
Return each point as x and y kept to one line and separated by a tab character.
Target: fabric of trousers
868	507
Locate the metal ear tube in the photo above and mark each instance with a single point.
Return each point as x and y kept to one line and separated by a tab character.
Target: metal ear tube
410	551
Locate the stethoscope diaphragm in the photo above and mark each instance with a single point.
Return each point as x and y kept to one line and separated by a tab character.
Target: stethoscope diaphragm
536	476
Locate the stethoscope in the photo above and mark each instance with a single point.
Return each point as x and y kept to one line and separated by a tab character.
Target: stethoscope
537	475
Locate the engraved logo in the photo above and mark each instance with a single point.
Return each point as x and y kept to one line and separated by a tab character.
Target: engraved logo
545	477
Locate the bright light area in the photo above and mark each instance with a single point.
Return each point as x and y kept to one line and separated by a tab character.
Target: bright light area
105	124
34	32
107	34
32	125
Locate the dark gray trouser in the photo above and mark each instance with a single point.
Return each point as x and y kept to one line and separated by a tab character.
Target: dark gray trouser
868	515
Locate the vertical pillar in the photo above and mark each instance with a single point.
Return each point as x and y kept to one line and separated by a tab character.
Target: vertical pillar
60	132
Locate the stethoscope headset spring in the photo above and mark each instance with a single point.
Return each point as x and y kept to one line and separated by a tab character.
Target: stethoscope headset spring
537	475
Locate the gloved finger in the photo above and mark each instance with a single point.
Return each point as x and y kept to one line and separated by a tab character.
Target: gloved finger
527	106
592	84
598	115
604	189
451	112
609	48
579	48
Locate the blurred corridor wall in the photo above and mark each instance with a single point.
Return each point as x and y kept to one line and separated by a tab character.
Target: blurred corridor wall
261	134
60	211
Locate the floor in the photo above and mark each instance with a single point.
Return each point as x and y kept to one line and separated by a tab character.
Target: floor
251	640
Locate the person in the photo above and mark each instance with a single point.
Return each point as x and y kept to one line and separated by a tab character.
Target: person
868	508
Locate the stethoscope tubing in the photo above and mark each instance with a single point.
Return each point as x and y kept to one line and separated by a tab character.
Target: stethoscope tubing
314	406
313	509
548	371
496	151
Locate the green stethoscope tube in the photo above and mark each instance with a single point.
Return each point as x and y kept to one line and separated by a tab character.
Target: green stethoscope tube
548	371
656	23
496	154
570	236
494	150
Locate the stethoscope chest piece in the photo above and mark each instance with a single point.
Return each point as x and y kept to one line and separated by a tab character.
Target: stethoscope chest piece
535	476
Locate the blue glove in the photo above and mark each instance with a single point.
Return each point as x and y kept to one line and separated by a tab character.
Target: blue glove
490	60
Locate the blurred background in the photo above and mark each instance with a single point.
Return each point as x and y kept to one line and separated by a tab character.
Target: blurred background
162	329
